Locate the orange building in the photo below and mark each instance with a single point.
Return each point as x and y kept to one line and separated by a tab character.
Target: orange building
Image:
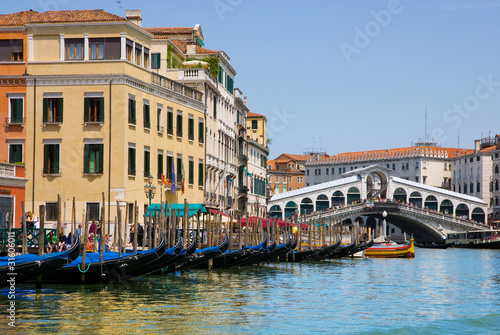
287	172
13	56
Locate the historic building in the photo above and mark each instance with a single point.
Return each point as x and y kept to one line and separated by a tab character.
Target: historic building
98	120
179	53
427	164
257	164
287	172
495	182
13	59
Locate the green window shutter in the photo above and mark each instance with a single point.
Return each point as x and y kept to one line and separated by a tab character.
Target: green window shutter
56	158
201	172
201	132
191	129
215	107
100	115
191	172
169	167
160	165
133	161
101	158
17	110
86	158
60	106
45	158
146	164
129	110
179	170
45	110
86	110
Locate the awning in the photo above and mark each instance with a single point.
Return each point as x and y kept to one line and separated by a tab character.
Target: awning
216	211
248	173
254	221
154	209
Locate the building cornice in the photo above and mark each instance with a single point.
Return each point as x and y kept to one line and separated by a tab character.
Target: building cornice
88	80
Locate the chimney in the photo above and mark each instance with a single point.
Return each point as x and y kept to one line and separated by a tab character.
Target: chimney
245	101
191	48
477	146
134	16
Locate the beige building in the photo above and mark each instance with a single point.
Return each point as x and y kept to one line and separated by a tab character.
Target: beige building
99	121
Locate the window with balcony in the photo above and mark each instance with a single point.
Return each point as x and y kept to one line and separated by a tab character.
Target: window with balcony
104	48
93	159
11	50
16	109
15	153
52	110
51	158
93	110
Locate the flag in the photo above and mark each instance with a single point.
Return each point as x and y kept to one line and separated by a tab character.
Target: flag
182	176
173	177
164	179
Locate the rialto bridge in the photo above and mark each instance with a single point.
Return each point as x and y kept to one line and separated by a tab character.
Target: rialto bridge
367	195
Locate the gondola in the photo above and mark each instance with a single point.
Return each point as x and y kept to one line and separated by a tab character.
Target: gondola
262	255
297	256
179	257
280	249
112	268
326	251
201	256
25	267
360	248
344	250
434	245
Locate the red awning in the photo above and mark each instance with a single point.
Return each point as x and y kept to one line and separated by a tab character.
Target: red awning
254	221
216	211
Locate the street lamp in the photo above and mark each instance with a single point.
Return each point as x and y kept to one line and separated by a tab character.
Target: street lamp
150	189
384	224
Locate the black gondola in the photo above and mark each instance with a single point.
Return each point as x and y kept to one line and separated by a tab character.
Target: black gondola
360	247
434	245
343	251
280	249
25	267
326	251
180	257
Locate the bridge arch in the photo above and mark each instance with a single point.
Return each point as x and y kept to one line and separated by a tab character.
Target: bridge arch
462	211
415	199
431	203
290	208
478	215
306	206
275	212
353	195
399	194
322	202
338	199
446	207
372	179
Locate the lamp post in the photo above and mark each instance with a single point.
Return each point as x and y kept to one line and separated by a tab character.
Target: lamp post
384	224
150	189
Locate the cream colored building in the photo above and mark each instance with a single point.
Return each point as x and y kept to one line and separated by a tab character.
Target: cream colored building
99	121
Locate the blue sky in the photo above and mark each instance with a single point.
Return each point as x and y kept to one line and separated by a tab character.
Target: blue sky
347	75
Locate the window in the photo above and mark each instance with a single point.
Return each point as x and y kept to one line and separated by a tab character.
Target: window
299	179
478	187
93	158
170	121
11	50
147	165
478	158
319	171
96	46
340	170
15	153
333	171
191	171
254	124
146	57
16	108
147	117
74	48
190	127
51	158
215	105
131	160
129	50
201	173
93	110
424	179
170	162
180	169
160	163
52	110
327	171
394	166
179	124
465	188
93	211
159	119
51	211
131	111
155	61
471	188
201	131
138	54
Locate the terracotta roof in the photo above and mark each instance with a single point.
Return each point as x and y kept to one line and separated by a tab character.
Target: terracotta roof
169	30
394	153
250	114
182	46
289	157
58	16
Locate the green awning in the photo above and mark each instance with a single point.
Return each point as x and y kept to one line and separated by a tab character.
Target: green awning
248	173
154	209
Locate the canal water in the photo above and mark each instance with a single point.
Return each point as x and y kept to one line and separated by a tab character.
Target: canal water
453	291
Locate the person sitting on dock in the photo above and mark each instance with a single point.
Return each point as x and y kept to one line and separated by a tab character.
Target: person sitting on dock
50	247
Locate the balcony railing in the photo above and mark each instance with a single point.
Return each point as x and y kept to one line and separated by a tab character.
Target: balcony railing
196	74
160	129
7	170
94	119
175	86
15	121
52	119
